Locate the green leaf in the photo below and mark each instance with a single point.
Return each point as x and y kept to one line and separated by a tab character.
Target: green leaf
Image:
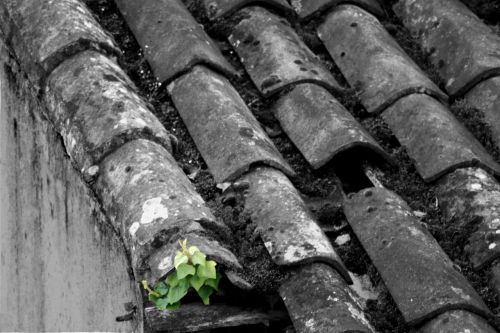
205	293
161	288
184	245
214	283
193	249
153	298
208	270
172	279
198	258
180	259
175	294
161	303
174	306
151	292
184	270
196	281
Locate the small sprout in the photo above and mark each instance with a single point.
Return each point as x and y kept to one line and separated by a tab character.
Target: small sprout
192	271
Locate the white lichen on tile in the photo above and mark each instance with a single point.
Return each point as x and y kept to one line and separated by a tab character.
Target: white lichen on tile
153	209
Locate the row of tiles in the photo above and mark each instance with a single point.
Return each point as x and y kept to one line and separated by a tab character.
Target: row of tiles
123	152
247	130
270	68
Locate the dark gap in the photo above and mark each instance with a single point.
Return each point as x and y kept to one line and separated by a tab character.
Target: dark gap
488	10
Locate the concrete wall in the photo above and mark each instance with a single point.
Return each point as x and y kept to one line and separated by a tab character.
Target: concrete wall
61	266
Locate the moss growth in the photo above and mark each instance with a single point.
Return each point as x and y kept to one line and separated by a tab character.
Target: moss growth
474	120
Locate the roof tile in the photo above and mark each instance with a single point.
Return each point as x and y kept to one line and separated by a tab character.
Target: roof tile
457	321
485	96
216	9
371	60
320	126
276	57
307	9
434	139
319	301
44	33
225	131
287	228
419	275
152	202
194	317
461	46
172	41
95	107
471	195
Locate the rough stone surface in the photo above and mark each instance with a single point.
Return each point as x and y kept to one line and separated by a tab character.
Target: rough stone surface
472	195
152	202
216	9
419	275
95	108
172	41
62	267
434	138
44	33
319	301
319	126
289	232
307	9
461	46
457	322
226	133
276	57
197	317
485	96
371	60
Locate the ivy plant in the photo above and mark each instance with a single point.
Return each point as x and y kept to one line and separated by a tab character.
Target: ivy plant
192	271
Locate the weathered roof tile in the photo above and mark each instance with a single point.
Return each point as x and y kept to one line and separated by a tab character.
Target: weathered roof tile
485	96
45	33
434	139
471	195
216	9
419	275
319	301
198	317
152	202
172	41
289	232
371	60
307	9
320	126
457	321
276	57
461	46
226	133
95	107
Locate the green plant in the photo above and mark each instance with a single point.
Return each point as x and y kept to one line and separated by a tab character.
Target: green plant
192	270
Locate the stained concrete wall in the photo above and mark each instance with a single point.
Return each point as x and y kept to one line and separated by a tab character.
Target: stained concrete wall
62	268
